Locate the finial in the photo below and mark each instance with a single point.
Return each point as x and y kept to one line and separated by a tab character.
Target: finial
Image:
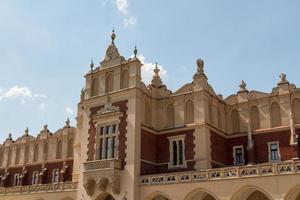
200	66
9	136
46	127
27	131
243	86
68	123
82	94
92	65
156	70
113	36
282	79
135	51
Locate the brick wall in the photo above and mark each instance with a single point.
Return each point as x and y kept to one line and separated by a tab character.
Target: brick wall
155	149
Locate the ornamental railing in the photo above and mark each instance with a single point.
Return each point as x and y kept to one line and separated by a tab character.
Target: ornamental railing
269	169
103	164
42	188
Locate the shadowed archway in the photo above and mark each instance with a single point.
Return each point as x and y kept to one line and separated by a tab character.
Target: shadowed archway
251	193
200	194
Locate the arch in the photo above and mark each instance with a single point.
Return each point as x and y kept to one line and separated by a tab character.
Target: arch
104	196
200	194
109	85
189	112
95	87
251	193
293	194
125	79
170	116
275	115
158	196
148	114
255	120
296	110
235	121
59	149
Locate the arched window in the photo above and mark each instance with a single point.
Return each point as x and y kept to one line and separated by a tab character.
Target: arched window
235	121
210	113
275	115
17	161
170	116
189	112
160	197
36	153
9	157
296	111
148	114
109	82
255	121
27	154
220	119
59	149
95	87
46	150
70	147
125	79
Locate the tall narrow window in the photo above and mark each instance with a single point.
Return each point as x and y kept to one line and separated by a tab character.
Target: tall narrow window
177	152
189	112
148	114
70	147
274	154
35	178
235	121
27	152
16	179
59	149
107	142
9	157
17	161
1	157
109	83
46	150
125	79
275	115
55	176
296	111
95	87
36	153
255	120
170	116
238	155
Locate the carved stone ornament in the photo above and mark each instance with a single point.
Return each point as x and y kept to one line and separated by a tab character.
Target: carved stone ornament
243	87
89	186
200	66
102	184
282	79
108	107
82	94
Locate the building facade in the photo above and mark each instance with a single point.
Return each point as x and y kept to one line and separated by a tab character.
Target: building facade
139	142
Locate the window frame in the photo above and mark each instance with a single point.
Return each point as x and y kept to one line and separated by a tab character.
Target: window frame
16	178
234	148
112	151
270	152
53	177
176	139
32	178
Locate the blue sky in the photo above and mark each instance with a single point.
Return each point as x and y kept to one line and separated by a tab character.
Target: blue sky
46	47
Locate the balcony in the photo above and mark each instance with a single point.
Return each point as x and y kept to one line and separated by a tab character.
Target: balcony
269	169
43	188
99	174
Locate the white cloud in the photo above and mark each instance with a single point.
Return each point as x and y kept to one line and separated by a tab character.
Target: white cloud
69	110
122	6
147	70
129	21
19	92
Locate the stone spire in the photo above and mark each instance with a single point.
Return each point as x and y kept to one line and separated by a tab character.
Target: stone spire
67	123
112	56
26	131
92	65
200	67
199	78
156	80
135	51
243	86
9	137
282	79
